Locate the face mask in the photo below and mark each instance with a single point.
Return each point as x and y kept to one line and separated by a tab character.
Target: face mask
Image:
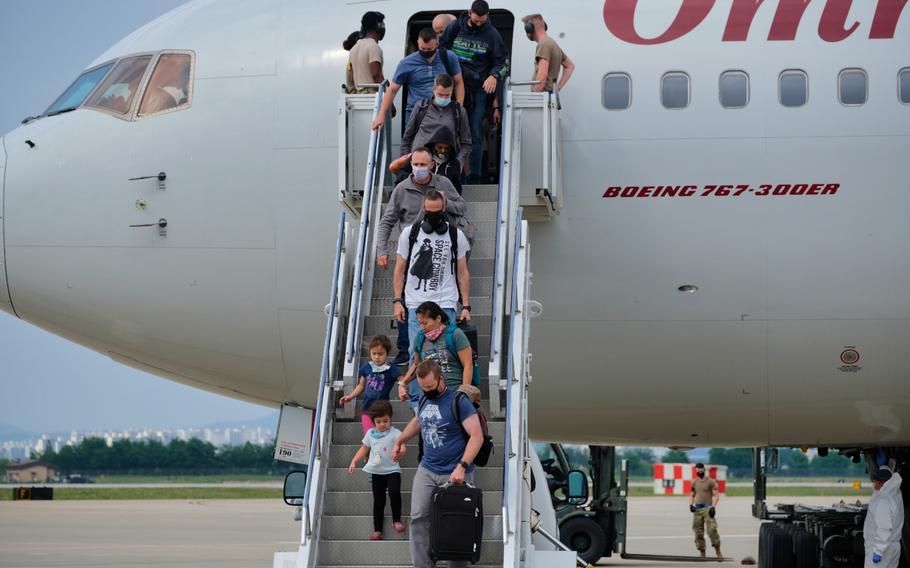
434	222
422	175
434	335
700	473
442	102
433	394
427	54
377	434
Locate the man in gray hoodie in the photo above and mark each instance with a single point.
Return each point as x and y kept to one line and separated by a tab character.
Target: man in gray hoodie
405	207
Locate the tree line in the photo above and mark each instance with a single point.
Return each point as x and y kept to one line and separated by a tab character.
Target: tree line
793	462
92	456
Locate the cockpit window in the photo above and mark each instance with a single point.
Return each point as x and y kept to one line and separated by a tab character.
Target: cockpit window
81	87
169	87
117	91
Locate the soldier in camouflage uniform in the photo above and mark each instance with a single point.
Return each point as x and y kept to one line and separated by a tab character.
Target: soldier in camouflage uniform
702	504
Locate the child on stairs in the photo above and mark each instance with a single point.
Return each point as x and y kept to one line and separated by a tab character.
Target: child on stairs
385	473
377	377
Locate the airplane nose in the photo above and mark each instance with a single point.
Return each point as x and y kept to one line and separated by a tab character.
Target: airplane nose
6	303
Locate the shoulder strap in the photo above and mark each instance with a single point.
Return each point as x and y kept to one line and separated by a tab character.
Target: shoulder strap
450	338
422	108
418	342
444	56
420	403
457	413
412	240
453	236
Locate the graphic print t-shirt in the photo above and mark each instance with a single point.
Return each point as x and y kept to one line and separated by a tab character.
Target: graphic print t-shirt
430	276
444	440
377	386
452	369
380	460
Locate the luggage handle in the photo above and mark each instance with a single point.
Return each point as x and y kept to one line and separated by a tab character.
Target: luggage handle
450	484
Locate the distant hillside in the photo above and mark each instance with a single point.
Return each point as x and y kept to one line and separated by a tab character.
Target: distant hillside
10	433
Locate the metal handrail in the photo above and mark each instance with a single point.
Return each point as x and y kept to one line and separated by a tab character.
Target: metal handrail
369	184
502	207
510	368
324	378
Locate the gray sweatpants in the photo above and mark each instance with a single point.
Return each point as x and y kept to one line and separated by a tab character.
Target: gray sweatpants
425	481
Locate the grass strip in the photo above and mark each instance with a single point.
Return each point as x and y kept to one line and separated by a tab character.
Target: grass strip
142	493
776	492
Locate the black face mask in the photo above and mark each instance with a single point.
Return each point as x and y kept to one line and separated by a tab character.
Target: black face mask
700	473
434	222
433	394
427	54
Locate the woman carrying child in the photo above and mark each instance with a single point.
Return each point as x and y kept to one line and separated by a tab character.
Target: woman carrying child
377	377
385	473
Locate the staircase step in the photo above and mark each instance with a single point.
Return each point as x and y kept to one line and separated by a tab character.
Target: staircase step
387	552
356	503
383	306
480	193
386	325
342	454
352	432
477	211
360	527
487	478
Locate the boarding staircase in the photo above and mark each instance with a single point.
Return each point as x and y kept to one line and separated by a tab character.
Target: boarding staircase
336	508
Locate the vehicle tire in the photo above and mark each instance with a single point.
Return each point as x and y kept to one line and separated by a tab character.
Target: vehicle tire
838	551
805	550
764	538
778	549
585	537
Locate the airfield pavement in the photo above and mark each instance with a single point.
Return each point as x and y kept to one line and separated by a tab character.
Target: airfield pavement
246	533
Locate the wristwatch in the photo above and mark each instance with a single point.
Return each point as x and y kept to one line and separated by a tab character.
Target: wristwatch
466	307
464	464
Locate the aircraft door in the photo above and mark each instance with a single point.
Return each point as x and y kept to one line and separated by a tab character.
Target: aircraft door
5	302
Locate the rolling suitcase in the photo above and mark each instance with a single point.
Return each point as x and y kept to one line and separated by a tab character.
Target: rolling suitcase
456	526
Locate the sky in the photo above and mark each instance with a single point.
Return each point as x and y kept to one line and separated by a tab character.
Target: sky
48	384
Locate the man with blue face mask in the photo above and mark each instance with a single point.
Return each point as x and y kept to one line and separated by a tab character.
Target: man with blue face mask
434	114
405	206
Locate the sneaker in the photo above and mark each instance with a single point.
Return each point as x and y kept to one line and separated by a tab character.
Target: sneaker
402	359
376	536
398	526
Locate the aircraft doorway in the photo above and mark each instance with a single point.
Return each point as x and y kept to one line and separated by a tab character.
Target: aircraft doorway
504	22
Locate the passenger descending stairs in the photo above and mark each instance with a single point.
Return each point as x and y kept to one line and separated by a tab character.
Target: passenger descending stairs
346	521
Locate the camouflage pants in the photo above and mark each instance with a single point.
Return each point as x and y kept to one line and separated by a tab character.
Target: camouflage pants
700	518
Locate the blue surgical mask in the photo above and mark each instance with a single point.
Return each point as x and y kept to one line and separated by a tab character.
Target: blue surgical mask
442	102
422	175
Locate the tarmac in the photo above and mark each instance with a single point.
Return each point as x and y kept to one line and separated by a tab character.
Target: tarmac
246	533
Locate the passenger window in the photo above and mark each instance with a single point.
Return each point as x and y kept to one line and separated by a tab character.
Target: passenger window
169	87
117	91
734	89
903	86
674	90
81	87
852	87
617	91
794	88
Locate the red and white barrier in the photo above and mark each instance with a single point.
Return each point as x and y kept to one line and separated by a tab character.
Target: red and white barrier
676	478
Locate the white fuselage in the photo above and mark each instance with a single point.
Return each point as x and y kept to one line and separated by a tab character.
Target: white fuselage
232	299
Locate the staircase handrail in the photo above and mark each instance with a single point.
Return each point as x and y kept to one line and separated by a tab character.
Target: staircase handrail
324	379
510	525
503	208
372	185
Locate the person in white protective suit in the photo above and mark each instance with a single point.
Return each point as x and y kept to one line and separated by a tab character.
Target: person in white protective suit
884	521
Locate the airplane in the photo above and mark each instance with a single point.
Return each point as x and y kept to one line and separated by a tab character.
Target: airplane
728	268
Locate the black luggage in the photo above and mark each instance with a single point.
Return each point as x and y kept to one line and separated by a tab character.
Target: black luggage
456	527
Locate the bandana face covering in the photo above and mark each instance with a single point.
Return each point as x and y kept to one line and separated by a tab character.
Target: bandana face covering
434	335
379	368
377	434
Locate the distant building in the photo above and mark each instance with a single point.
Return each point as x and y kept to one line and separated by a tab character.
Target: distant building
36	471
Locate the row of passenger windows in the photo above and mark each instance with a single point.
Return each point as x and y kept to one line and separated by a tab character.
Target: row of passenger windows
733	86
114	86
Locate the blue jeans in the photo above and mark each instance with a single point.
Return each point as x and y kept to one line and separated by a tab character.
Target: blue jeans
413	330
475	119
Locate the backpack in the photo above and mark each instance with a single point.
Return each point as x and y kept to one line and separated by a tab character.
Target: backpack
450	345
486	449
